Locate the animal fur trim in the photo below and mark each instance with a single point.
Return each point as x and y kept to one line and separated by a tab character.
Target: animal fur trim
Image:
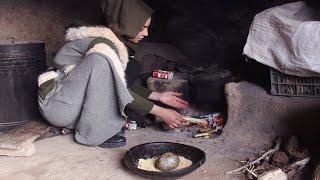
104	32
46	76
69	68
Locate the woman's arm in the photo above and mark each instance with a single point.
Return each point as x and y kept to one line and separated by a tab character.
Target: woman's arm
140	90
171	99
142	106
139	104
171	117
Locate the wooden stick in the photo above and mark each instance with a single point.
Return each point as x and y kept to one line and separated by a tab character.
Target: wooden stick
303	162
271	151
196	121
202	135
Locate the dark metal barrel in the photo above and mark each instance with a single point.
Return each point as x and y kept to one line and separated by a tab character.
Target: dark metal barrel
20	65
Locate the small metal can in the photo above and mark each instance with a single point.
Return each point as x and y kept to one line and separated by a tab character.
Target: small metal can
132	125
214	119
219	120
162	74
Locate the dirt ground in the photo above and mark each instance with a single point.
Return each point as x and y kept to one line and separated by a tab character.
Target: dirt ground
251	126
61	158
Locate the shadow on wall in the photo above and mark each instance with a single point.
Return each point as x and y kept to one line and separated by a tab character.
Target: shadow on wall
207	31
314	3
44	20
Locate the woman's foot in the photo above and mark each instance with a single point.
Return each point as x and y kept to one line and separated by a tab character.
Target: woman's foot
122	132
117	140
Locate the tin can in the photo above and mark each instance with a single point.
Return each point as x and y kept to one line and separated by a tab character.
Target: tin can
219	120
162	74
214	119
132	125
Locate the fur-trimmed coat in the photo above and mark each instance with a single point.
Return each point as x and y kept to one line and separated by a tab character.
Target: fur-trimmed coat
101	114
68	61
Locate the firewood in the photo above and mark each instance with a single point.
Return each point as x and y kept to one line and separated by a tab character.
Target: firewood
202	122
271	151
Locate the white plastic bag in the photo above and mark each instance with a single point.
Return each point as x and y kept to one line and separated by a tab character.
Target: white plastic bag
286	38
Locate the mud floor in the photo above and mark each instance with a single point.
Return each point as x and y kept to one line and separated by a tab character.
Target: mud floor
61	158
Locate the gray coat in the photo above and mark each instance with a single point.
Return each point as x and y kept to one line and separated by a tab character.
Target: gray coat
89	92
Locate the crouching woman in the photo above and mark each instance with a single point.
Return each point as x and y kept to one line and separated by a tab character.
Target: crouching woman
90	91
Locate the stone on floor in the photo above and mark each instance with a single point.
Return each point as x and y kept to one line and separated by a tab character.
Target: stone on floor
18	141
25	151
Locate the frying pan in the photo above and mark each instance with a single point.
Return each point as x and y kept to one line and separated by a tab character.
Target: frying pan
149	150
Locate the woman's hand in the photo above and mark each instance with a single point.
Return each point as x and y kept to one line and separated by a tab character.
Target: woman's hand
171	99
171	117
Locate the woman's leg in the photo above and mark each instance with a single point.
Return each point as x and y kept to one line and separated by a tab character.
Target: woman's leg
86	99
